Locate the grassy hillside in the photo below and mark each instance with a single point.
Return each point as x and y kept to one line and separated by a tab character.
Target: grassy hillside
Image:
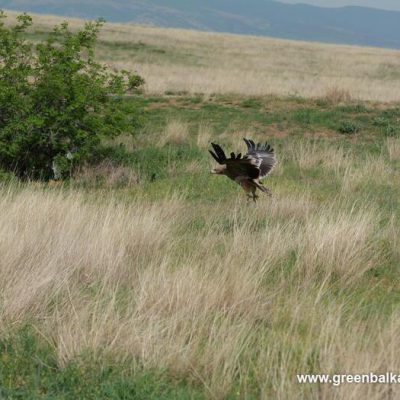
349	25
146	277
210	63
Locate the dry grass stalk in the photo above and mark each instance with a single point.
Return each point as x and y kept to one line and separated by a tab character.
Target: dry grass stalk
370	170
324	154
176	132
106	174
393	148
204	134
336	95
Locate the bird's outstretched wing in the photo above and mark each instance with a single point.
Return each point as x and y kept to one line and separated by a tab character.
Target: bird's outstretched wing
262	152
236	166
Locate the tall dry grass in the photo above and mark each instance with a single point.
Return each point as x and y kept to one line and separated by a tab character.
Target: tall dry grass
393	149
106	174
175	132
204	134
203	62
253	297
310	154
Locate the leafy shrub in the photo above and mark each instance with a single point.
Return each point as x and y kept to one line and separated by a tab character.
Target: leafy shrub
56	102
348	127
6	176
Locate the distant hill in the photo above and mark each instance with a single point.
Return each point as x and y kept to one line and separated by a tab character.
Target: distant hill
350	25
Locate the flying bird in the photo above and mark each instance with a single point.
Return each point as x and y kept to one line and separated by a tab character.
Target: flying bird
247	170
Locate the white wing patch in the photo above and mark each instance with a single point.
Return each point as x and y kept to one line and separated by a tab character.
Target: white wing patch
254	159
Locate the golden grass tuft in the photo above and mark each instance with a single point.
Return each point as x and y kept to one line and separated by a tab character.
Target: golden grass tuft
326	247
176	132
204	134
393	148
311	154
374	170
335	95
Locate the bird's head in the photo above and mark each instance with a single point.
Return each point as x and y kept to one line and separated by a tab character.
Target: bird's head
219	170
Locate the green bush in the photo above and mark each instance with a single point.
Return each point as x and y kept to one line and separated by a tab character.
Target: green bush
251	103
56	102
6	176
348	127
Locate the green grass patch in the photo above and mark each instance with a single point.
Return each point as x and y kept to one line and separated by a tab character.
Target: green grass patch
29	370
227	113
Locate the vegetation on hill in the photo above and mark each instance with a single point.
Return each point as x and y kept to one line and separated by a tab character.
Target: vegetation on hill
177	60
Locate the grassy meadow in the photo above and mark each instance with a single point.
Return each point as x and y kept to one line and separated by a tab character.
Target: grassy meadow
146	277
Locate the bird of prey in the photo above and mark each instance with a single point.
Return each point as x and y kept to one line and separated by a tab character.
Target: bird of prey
247	170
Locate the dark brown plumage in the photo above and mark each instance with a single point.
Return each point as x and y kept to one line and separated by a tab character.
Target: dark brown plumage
247	170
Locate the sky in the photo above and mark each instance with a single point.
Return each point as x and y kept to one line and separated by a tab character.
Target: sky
384	4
